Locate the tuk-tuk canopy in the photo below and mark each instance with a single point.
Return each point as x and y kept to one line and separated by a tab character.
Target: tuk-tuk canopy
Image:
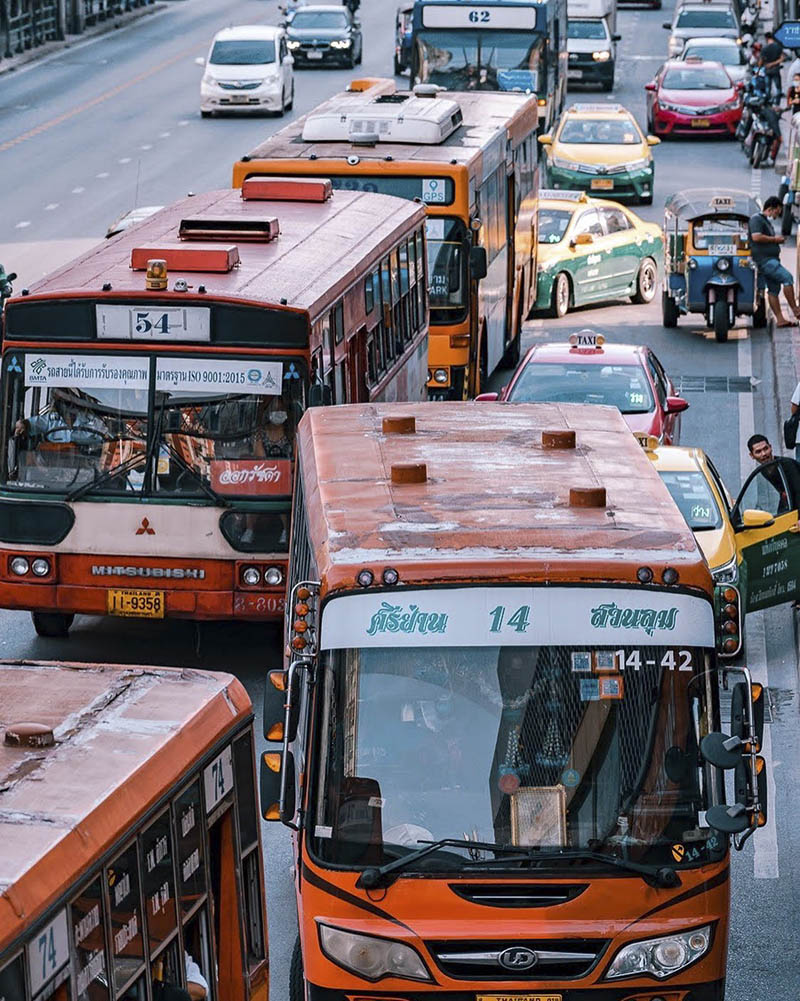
695	203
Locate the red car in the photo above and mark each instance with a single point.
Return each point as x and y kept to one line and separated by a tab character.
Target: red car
588	370
690	96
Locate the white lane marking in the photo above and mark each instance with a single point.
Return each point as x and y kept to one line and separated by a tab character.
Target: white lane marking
78	191
51	206
765	840
146	146
183	121
124	159
755	183
164	135
23	224
102	175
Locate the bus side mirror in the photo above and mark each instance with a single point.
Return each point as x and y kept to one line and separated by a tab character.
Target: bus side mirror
274	705
320	395
277	772
478	263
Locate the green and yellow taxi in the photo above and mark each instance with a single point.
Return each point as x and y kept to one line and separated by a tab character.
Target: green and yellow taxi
590	250
600	148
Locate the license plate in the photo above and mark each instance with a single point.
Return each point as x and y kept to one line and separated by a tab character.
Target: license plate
721	249
313	54
574	74
136	604
602	184
701	123
238	99
518	997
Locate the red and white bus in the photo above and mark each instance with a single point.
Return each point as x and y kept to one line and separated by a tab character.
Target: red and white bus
152	387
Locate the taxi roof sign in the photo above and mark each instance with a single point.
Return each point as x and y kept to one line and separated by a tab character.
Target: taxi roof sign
552	194
587	107
586	340
649	442
722	202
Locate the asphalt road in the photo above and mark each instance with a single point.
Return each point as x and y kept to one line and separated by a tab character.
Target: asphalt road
89	133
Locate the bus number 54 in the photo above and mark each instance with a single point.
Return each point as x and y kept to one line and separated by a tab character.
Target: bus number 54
144	324
482	16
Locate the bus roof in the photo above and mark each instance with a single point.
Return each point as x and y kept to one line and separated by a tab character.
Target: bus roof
123	737
487	117
496	504
320	247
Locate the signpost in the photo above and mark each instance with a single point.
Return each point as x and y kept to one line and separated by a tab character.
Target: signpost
788	34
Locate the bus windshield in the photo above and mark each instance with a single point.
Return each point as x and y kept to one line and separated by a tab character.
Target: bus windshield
553	747
193	426
475	60
447	273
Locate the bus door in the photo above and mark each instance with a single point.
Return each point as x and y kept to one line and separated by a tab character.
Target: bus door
511	260
226	909
765	518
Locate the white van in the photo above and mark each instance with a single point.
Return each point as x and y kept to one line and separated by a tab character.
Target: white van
248	68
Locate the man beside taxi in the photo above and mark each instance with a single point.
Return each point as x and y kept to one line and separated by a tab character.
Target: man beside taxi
761	451
766	253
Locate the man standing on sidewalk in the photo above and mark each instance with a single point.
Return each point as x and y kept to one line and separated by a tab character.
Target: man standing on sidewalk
771	61
765	249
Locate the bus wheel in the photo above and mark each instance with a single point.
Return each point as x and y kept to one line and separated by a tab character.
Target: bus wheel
297	987
559	305
52	624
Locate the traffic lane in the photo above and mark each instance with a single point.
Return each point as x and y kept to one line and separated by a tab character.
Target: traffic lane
148	145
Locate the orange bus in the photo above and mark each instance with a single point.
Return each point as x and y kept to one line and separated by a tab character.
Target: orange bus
502	750
471	159
131	860
152	388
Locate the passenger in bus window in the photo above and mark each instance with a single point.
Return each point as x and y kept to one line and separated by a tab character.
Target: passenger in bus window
196	983
275	434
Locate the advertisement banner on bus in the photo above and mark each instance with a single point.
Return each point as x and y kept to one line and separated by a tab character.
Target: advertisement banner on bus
223	375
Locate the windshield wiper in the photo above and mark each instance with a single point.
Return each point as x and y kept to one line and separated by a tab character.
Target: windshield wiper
110	474
376	876
661	876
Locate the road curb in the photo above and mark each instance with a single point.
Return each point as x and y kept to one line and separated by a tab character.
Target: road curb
49	48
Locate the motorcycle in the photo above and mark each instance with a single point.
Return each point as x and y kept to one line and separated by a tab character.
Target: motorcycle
765	135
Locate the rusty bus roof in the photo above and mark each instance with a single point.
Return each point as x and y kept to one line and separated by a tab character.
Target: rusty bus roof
488	117
123	738
496	503
321	248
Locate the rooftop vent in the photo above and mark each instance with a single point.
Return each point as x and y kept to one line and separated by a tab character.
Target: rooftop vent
182	258
419	120
29	735
399	425
587	497
287	189
558	439
254	229
409	472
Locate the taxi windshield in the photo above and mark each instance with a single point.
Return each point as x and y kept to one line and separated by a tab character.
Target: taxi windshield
610	132
728	55
696	79
553	224
622	386
691	492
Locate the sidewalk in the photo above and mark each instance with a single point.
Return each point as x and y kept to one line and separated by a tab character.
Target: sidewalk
8	65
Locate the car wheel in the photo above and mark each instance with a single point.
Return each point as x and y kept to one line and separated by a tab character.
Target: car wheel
646	282
608	84
559	305
282	110
760	314
721	320
360	54
669	311
206	114
54	625
290	105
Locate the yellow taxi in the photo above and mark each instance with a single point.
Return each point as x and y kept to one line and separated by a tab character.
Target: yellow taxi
600	148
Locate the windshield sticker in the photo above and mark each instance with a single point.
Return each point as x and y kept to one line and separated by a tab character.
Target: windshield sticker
611	687
251	477
240	375
581	662
517	616
590	689
86	371
434	191
434	229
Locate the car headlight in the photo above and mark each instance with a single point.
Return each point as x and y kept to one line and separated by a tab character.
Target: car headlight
660	957
602	56
666	106
343	43
556	161
640	164
728	573
292	45
208	79
371	958
675	44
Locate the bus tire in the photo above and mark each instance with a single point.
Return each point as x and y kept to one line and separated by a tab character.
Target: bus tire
721	320
646	282
54	625
669	311
562	293
297	986
514	349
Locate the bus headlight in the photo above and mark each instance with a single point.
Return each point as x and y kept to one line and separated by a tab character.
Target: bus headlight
251	576
273	576
440	375
19	565
40	567
371	958
660	957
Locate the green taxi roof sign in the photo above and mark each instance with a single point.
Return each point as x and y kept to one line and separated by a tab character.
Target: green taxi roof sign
564	196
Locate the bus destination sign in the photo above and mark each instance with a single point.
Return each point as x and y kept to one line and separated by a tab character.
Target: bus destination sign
463	15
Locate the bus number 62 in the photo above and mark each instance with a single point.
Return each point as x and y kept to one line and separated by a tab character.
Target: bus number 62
482	16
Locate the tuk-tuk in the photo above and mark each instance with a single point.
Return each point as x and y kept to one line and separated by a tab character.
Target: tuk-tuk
402	37
707	264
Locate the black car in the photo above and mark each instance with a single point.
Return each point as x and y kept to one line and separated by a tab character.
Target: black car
324	34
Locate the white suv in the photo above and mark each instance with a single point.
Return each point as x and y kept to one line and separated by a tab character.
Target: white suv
248	69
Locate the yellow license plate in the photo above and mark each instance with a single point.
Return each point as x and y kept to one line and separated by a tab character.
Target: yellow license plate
700	123
518	997
138	604
601	184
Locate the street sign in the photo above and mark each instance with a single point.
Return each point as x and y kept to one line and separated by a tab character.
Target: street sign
789	34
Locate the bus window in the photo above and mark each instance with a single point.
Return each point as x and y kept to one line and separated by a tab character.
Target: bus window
12	980
127	940
197	953
88	939
226	909
158	883
447	268
191	855
248	846
338	322
369	294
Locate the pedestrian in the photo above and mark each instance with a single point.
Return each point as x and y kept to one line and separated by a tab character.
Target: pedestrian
772	60
793	93
766	253
796	409
781	472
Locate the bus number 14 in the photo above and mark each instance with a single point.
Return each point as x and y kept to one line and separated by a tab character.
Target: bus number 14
519	620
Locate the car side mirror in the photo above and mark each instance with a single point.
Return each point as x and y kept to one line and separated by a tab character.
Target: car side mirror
478	263
616	38
200	61
650	86
546	139
653	141
676	404
753	518
667	25
739	85
581	240
487	397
